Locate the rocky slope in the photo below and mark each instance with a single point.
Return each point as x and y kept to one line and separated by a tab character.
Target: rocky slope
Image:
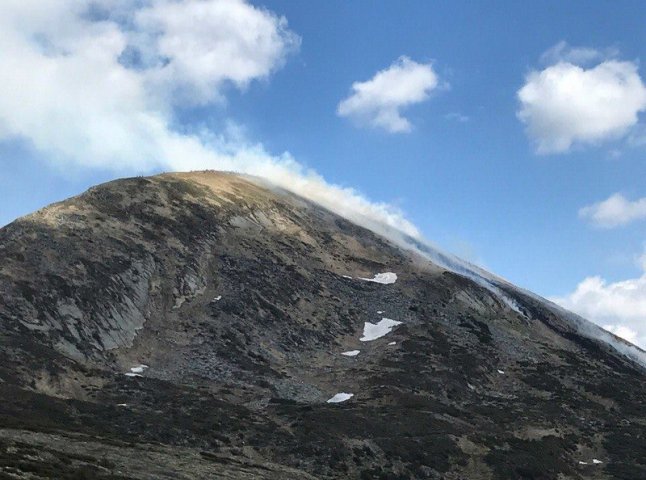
190	326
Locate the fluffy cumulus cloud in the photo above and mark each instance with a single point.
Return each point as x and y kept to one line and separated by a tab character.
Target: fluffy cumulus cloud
615	211
618	307
378	102
200	45
571	103
96	84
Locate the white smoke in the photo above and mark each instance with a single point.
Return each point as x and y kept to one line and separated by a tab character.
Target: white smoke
94	84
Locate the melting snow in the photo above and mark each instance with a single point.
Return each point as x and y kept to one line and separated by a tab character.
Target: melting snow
218	298
347	276
122	404
138	368
379	312
582	462
596	462
501	372
372	331
392	343
385	278
340	397
351	353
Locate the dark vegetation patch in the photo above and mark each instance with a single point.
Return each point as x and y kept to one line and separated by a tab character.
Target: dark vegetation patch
542	459
478	328
626	446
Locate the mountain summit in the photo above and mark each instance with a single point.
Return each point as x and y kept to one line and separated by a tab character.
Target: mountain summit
207	325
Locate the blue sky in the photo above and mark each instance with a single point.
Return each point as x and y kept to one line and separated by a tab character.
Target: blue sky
468	173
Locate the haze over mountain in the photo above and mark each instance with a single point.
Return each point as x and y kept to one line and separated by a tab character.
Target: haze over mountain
211	325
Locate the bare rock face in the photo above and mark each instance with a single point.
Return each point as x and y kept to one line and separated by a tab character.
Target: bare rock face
198	326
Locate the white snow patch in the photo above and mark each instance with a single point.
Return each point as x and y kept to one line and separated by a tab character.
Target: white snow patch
392	343
372	331
122	404
218	298
379	312
582	462
347	276
596	462
384	278
340	397
138	368
501	372
130	374
351	353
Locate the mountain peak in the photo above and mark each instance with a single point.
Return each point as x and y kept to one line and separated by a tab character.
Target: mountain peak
211	317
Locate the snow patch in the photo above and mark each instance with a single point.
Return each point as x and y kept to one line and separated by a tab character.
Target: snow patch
138	368
217	299
501	372
392	343
372	331
340	397
351	353
383	278
596	462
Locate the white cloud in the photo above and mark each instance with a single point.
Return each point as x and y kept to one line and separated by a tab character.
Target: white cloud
566	104
378	102
618	307
69	92
614	211
66	89
203	44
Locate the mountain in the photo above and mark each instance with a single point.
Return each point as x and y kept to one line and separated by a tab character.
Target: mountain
207	325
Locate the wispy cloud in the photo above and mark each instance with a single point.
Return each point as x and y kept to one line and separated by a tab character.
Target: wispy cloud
457	117
615	211
569	103
563	52
378	102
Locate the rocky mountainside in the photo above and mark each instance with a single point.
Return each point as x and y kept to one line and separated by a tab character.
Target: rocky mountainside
207	326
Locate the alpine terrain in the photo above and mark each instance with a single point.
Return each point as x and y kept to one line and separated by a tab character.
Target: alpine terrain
209	326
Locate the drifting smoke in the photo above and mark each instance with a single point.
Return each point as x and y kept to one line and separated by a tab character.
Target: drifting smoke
95	84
